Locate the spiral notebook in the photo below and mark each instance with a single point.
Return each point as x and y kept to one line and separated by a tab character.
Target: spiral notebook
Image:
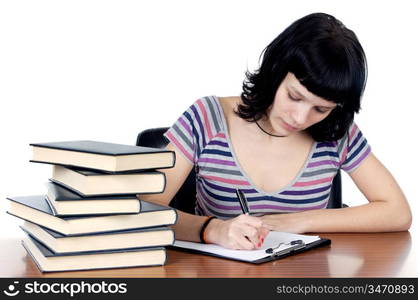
276	245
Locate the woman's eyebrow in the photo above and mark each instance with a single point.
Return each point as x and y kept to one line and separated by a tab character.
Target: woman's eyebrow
333	105
328	107
294	90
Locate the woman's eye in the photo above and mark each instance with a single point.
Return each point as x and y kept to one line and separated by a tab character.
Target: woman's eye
321	111
293	98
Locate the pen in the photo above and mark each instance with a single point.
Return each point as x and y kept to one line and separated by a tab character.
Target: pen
243	202
246	211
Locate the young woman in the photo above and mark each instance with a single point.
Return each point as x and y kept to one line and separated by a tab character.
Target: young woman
281	143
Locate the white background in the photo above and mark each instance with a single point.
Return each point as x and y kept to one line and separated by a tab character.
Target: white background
104	70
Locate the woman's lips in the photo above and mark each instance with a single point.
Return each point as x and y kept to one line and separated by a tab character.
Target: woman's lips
290	127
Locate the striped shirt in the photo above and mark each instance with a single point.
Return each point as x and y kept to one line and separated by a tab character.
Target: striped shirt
201	135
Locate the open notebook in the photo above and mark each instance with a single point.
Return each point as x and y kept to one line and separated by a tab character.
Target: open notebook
276	245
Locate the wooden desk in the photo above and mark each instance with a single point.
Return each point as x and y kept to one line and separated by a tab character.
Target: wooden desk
350	255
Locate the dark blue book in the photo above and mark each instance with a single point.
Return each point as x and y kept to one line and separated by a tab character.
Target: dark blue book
49	261
89	183
35	209
102	156
65	202
125	239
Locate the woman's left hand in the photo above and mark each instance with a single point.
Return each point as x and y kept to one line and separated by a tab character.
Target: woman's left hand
290	222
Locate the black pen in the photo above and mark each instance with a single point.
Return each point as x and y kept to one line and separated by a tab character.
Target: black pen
242	202
245	210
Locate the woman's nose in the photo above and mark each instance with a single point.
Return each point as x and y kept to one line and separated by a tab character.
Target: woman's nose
300	115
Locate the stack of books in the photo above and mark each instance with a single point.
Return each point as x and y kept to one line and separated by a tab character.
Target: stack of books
90	216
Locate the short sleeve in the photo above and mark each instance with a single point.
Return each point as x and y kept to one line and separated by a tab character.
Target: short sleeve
182	134
354	148
185	133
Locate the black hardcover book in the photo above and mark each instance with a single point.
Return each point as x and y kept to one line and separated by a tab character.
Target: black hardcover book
125	239
107	157
89	183
48	261
65	202
35	209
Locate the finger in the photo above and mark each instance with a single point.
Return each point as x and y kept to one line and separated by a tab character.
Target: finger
243	243
263	234
263	230
253	235
250	223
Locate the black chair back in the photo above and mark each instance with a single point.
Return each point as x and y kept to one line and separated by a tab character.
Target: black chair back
185	198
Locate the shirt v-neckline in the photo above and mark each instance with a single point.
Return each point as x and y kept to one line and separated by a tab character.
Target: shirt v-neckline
244	173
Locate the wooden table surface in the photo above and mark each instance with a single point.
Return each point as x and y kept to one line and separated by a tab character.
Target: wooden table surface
349	255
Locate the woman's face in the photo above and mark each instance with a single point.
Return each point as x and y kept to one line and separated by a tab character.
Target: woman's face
295	108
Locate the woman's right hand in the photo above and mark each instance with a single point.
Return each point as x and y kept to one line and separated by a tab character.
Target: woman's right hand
243	232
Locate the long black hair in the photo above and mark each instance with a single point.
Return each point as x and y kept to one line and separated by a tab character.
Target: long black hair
326	57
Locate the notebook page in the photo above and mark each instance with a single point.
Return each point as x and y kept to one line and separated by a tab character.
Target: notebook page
273	239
